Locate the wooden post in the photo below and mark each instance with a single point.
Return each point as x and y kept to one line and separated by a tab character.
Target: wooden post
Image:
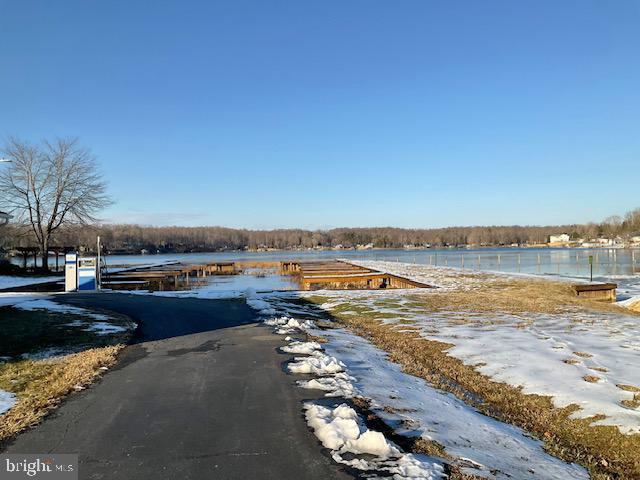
478	262
498	261
462	261
518	263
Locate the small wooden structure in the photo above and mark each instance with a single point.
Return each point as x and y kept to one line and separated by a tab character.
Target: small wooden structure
222	268
600	292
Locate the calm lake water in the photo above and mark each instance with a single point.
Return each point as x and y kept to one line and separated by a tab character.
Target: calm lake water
621	266
546	261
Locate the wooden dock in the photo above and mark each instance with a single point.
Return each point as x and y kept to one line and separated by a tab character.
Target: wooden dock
173	276
340	275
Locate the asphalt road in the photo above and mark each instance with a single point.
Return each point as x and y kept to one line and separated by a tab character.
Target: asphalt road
200	394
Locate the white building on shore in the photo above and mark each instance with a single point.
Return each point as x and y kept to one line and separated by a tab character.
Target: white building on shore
560	238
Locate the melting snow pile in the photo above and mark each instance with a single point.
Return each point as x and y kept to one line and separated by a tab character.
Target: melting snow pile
287	325
301	348
341	430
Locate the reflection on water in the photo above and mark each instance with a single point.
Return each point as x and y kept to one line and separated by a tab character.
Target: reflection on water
258	283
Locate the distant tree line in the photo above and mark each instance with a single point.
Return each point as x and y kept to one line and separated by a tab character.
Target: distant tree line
134	238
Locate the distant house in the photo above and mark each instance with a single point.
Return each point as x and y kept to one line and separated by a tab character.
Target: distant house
561	238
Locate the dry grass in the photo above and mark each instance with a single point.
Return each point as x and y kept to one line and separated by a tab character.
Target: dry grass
41	385
628	388
513	296
607	453
633	404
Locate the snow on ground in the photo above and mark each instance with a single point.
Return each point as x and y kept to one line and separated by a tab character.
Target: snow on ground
7	400
105	328
547	354
628	290
11	299
7	281
417	409
445	278
33	302
45	304
348	365
339	427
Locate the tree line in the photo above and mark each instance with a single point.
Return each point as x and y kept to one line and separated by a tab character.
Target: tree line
127	238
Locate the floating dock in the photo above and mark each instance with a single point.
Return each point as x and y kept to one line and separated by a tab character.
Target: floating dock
341	275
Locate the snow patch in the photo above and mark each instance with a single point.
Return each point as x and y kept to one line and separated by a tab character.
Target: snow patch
301	348
341	430
338	385
319	364
7	400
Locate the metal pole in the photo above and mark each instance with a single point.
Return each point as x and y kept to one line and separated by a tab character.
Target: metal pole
99	266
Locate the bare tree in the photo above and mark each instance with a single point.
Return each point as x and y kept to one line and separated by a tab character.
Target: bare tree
51	185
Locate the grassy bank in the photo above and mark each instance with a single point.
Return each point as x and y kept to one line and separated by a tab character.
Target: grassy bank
49	354
604	450
40	385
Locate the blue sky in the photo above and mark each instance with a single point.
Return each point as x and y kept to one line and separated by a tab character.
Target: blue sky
319	114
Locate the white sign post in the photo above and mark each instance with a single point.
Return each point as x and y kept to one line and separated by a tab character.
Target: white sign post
71	272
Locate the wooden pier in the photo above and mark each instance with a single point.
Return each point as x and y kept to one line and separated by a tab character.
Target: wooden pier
172	276
339	275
